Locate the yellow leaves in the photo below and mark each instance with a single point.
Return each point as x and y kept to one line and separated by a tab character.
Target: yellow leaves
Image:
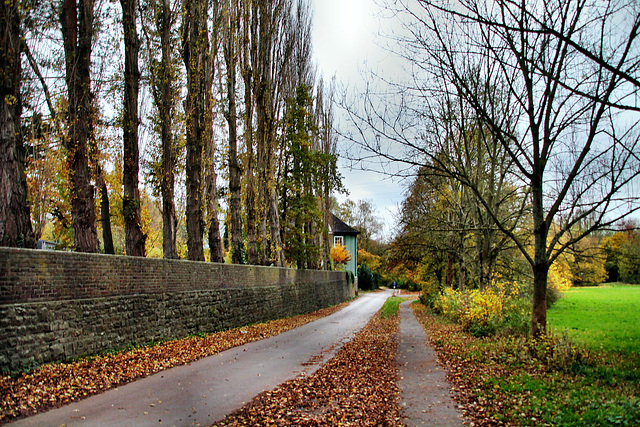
10	99
479	309
340	254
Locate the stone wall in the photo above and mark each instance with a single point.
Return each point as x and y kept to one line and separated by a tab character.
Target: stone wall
60	305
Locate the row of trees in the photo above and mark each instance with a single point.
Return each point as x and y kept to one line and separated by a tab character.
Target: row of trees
207	87
442	242
523	116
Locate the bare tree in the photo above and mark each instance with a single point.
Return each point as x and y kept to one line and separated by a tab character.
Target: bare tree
15	217
566	70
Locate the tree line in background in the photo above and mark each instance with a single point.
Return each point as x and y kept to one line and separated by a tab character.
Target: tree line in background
519	123
183	92
432	249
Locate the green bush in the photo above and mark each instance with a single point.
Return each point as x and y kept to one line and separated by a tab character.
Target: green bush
350	277
366	278
429	295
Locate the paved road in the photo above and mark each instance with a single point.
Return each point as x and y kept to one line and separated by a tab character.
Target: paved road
205	391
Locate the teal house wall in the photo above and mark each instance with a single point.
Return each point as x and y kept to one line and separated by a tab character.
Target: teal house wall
341	231
351	243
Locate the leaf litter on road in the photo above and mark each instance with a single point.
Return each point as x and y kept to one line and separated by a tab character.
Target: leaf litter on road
357	387
55	385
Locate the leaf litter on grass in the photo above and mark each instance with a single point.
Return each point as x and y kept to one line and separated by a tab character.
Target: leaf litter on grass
517	381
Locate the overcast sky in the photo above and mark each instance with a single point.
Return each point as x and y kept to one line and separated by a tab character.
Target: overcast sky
346	44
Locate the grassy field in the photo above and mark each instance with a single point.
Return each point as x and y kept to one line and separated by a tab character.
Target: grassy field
591	378
603	318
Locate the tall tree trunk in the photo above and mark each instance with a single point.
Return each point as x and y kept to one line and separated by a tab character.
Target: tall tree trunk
215	242
165	100
540	259
450	271
249	55
77	31
195	50
269	239
211	193
15	217
134	237
274	224
262	91
105	218
210	177
235	223
462	274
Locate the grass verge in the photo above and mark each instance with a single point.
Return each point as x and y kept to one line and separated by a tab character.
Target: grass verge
391	307
521	382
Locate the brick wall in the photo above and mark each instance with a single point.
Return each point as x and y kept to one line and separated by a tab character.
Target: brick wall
60	305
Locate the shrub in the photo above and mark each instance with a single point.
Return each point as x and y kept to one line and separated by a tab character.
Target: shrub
430	294
501	308
366	278
340	254
448	304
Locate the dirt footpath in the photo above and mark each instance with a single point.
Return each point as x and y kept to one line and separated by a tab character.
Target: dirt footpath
425	391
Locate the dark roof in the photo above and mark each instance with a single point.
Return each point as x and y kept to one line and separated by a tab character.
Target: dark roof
338	226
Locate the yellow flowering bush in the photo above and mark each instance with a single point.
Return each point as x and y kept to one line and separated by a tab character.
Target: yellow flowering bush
500	307
340	254
448	304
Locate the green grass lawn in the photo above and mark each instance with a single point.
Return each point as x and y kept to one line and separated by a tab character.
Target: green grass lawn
602	318
590	379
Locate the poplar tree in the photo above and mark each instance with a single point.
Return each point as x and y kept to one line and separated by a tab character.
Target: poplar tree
299	204
164	76
15	217
231	23
248	59
134	237
195	52
76	19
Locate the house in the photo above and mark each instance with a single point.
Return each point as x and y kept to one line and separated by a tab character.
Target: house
46	245
344	234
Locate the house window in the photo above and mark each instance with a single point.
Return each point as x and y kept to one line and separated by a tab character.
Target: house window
338	240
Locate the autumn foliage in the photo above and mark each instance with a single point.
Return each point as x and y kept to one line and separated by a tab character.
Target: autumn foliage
357	387
340	254
499	307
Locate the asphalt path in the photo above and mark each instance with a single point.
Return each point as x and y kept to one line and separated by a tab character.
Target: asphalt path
425	392
205	391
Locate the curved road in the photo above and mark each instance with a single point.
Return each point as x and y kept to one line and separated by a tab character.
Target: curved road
205	391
